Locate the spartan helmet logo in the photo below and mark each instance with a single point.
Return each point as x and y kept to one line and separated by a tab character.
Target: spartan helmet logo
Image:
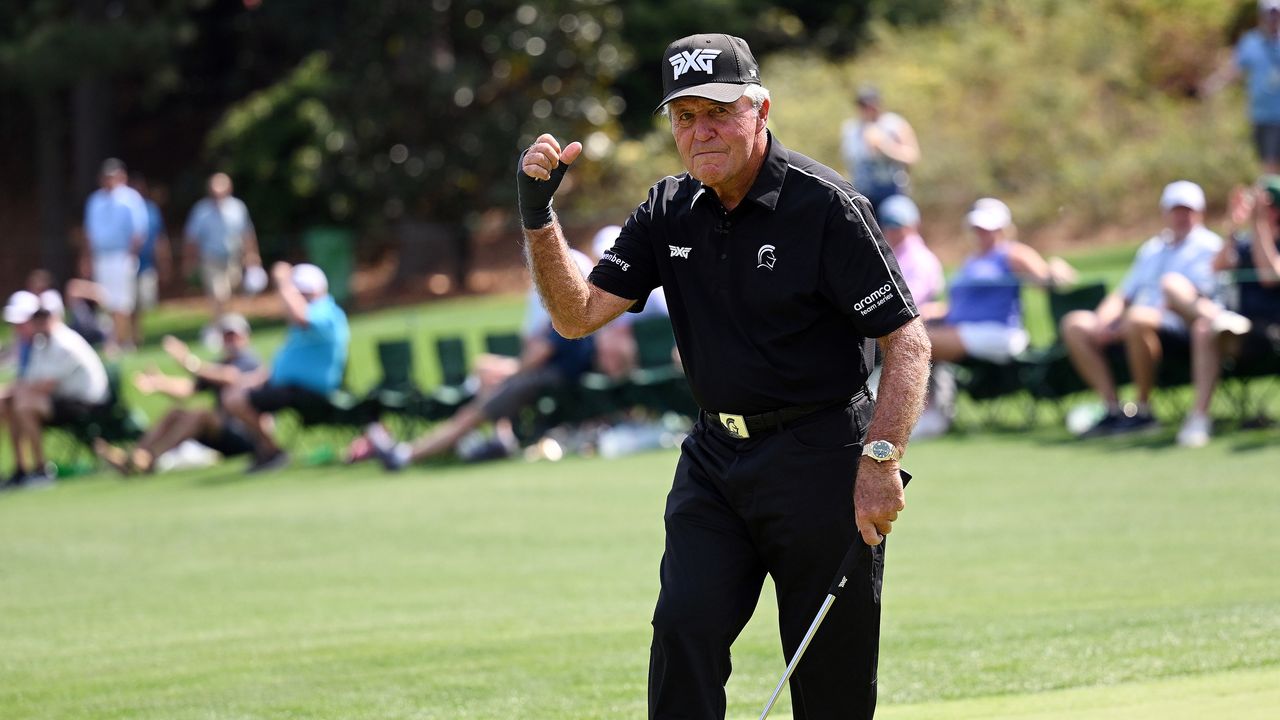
765	257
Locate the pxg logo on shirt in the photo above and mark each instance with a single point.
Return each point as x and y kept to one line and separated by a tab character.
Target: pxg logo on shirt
696	59
878	297
680	252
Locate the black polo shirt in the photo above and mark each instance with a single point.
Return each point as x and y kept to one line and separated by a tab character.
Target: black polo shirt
771	304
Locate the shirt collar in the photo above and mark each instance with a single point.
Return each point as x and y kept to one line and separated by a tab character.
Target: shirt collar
768	183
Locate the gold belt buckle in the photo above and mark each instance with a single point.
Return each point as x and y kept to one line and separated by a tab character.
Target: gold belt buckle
735	425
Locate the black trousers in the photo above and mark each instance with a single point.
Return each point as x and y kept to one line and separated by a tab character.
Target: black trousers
779	503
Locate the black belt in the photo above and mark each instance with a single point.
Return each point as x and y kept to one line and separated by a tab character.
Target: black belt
774	419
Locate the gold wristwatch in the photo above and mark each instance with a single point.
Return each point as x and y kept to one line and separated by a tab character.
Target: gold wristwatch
881	451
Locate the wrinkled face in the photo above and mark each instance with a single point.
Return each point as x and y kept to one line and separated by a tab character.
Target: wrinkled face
715	139
1181	220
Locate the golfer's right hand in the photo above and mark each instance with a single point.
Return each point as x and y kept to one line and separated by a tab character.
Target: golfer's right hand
542	167
877	499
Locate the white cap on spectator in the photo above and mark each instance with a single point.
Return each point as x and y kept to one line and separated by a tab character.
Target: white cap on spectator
607	235
309	279
990	214
1268	5
1182	193
51	300
234	323
21	307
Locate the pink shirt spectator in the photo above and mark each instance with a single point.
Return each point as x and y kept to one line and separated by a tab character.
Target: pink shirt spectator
920	268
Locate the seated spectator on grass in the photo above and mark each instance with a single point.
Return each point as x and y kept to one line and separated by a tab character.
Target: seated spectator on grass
307	368
1253	328
617	354
62	381
547	361
211	427
1135	314
900	221
984	316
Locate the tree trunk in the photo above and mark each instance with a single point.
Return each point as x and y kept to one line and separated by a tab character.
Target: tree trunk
55	250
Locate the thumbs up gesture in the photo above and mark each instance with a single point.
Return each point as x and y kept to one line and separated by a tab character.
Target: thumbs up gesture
541	169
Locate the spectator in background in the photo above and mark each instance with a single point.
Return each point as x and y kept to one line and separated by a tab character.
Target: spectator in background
154	258
307	368
547	361
1135	314
616	351
1257	57
879	148
221	241
984	316
211	427
900	221
64	381
115	226
1218	332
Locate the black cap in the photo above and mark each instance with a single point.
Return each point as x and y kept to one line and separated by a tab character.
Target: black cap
714	66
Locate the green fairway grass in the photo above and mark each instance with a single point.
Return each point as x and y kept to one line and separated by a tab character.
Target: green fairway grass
1028	578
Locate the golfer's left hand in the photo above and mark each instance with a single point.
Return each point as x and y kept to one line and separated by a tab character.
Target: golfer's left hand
877	499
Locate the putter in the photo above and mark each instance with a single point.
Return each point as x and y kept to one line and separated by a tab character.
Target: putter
847	566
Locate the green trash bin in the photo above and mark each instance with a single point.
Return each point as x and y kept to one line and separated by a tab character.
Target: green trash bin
330	248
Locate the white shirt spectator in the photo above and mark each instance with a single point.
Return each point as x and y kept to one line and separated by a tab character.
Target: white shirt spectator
66	357
1192	258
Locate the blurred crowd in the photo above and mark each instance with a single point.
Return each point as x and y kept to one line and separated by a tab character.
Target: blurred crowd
1189	291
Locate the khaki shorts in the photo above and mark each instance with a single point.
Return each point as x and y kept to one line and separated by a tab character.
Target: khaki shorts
221	276
117	273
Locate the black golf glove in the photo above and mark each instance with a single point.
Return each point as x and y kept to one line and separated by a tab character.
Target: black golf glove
535	195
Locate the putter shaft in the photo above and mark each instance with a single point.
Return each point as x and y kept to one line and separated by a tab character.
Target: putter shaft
795	660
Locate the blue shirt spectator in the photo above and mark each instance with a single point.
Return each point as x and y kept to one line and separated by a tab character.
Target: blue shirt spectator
1258	56
113	217
314	356
218	227
155	226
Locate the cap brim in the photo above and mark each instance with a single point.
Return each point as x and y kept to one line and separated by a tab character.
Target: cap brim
717	91
15	316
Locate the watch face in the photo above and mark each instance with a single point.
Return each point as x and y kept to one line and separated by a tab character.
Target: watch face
881	450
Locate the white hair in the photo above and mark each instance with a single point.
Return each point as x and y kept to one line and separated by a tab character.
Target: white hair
758	94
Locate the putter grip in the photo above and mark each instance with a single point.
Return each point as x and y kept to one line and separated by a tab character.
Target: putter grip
854	555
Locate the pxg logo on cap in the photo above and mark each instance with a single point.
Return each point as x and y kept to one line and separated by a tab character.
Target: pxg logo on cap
713	66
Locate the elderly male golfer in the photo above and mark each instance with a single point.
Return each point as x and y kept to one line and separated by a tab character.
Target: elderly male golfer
777	277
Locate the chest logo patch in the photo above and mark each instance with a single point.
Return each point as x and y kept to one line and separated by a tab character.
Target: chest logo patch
680	252
765	257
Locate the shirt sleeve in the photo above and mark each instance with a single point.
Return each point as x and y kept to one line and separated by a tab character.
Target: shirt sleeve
321	322
138	216
191	230
629	269
860	275
1133	278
